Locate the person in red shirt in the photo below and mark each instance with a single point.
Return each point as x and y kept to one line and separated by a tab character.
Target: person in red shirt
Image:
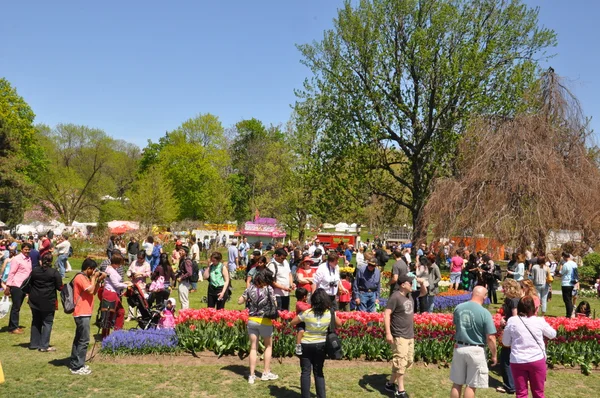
85	287
305	274
301	306
46	246
345	298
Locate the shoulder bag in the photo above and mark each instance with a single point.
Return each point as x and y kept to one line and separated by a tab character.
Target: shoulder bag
271	308
333	344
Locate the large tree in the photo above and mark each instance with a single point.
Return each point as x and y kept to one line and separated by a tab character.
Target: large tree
260	161
397	81
152	200
79	163
194	160
21	157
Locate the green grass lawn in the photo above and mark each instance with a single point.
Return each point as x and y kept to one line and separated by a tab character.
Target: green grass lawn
31	373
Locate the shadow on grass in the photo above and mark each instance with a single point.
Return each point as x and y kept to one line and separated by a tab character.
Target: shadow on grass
495	379
23	345
279	391
60	362
5	328
237	369
374	383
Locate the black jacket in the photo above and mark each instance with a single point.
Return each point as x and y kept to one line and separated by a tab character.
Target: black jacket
43	285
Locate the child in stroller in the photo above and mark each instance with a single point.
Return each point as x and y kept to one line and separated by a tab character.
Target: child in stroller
148	316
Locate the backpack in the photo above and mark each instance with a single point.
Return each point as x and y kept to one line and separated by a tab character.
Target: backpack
195	272
67	296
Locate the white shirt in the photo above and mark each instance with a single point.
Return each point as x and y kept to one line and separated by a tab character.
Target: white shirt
63	247
407	258
324	276
148	248
195	252
282	276
360	259
312	248
523	347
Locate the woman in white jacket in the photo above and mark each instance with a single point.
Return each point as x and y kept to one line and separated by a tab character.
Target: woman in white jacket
524	334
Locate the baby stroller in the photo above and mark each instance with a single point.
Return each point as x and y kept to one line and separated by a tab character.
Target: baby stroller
148	317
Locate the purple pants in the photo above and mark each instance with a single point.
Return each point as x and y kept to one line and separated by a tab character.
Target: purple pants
534	373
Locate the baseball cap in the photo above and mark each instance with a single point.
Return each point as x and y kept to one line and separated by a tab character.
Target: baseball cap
404	278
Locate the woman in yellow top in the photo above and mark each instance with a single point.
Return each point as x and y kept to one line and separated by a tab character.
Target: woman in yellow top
317	321
258	295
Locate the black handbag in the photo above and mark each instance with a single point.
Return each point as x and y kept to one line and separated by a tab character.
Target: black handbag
333	344
271	308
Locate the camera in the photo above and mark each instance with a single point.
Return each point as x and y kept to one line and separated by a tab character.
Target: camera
333	284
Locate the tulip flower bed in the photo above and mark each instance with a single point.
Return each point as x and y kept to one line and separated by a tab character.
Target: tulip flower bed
363	336
153	341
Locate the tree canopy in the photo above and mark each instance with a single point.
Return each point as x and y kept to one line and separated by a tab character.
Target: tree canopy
397	82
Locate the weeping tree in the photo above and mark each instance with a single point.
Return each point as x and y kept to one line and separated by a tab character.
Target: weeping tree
518	178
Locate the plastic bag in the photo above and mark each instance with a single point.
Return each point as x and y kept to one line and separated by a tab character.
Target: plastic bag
5	304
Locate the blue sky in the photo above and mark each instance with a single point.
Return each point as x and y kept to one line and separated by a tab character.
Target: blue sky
137	69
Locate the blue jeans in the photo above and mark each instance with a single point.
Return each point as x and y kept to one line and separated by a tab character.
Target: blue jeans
507	377
80	342
61	262
543	292
367	301
429	303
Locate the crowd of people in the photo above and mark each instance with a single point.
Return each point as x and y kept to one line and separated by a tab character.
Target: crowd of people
313	275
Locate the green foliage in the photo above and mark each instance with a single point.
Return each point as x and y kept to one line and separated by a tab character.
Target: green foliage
260	160
395	83
79	170
591	267
152	201
21	158
194	160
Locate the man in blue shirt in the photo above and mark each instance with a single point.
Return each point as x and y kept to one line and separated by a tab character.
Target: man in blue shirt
567	272
34	255
367	286
474	330
348	254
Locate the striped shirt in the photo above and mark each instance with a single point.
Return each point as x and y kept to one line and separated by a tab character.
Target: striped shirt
316	327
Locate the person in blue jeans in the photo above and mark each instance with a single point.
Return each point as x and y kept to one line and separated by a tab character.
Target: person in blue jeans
568	272
367	286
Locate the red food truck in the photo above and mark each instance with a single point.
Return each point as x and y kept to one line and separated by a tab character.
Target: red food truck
331	240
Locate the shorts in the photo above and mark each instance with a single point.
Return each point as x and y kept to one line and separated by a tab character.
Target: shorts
255	328
301	326
575	292
455	277
403	351
469	366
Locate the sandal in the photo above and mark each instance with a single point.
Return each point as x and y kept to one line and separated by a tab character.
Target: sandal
501	390
49	349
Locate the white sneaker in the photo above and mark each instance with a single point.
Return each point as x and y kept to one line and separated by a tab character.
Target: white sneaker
269	376
81	371
251	379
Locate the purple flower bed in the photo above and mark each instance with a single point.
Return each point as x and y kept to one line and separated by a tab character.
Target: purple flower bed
154	341
443	303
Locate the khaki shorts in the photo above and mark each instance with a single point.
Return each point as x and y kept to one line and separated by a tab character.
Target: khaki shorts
469	366
403	351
